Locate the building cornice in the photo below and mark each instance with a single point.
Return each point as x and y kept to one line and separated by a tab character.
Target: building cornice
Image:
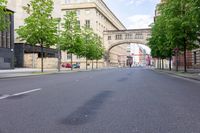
110	17
112	13
144	29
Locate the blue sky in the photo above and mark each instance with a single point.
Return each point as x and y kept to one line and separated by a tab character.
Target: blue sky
133	13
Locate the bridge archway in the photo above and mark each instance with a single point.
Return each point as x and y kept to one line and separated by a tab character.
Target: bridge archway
113	39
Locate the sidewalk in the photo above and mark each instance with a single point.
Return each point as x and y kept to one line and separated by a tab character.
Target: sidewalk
24	72
195	75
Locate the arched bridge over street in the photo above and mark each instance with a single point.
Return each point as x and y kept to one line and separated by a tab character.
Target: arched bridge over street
114	38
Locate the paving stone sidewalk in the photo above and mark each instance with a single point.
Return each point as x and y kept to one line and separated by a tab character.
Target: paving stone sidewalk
195	75
24	72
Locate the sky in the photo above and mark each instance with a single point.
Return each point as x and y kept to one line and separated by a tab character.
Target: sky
134	14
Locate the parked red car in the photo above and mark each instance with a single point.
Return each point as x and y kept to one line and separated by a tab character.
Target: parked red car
66	65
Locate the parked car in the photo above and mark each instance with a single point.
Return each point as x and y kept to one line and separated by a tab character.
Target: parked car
77	65
68	65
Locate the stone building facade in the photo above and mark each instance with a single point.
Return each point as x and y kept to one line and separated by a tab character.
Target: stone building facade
22	50
96	15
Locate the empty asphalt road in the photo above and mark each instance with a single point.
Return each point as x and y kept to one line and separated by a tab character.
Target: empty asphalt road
108	101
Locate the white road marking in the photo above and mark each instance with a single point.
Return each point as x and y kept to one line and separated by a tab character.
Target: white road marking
18	94
4	97
26	92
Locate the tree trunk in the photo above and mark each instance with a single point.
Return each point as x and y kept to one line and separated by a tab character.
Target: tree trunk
59	59
86	64
42	56
92	65
71	62
96	64
170	63
33	57
162	64
177	61
159	63
185	59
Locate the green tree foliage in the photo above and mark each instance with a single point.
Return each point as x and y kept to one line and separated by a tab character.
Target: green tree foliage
93	49
99	49
4	21
71	38
39	27
177	26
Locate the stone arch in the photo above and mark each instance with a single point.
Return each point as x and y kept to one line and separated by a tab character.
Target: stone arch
114	38
125	42
121	43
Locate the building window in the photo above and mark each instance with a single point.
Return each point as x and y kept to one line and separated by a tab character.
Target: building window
79	23
67	12
87	23
4	39
195	57
69	56
109	37
67	1
118	37
129	36
97	13
77	57
138	36
77	12
87	11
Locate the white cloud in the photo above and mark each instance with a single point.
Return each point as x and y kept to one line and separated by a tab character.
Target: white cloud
139	21
136	2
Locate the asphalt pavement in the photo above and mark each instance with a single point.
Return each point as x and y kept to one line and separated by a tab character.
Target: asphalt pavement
123	100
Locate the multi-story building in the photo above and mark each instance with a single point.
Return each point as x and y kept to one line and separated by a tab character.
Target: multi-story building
27	55
93	13
96	15
7	44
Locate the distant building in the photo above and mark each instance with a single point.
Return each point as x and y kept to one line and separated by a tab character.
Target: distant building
139	55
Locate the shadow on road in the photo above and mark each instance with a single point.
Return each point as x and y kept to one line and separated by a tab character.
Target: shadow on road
87	112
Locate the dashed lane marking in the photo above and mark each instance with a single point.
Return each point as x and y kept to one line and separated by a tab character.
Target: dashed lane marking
18	94
4	97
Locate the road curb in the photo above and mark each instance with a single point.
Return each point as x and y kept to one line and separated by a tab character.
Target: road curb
177	75
50	73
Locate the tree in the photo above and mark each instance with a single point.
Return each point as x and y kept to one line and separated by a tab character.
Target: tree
39	27
99	50
71	38
4	21
88	41
182	26
175	29
161	47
